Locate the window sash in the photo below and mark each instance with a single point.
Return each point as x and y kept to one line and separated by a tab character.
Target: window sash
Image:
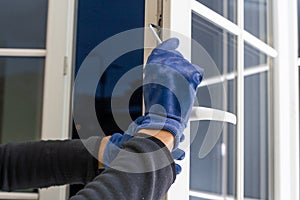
58	71
179	12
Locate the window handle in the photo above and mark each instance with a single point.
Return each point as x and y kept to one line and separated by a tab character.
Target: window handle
204	113
211	139
153	27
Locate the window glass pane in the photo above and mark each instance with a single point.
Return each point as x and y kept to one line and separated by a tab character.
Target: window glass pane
96	22
226	8
205	173
256	18
256	136
107	84
230	141
213	173
23	23
219	44
21	91
254	57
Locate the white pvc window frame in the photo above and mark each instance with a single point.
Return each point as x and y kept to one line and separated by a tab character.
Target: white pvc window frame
58	78
284	178
18	195
286	101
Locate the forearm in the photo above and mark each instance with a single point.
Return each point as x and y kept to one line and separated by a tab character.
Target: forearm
45	163
144	169
164	136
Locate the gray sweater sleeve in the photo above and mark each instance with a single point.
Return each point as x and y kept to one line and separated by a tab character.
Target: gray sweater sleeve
144	169
47	163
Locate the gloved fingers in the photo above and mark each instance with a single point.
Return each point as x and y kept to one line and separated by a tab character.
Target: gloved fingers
178	154
170	44
176	53
178	169
116	139
126	137
132	128
198	76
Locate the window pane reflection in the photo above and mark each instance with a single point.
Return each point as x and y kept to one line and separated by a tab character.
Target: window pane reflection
218	43
197	198
256	136
23	23
21	90
206	173
214	172
226	8
254	57
231	141
256	18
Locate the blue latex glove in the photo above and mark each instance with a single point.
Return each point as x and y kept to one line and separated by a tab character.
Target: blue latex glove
170	86
114	146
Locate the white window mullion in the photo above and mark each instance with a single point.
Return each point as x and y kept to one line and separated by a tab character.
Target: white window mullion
225	107
19	195
215	18
231	76
256	70
232	28
240	105
23	52
260	45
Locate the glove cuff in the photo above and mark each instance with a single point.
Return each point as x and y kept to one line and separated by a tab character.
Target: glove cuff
113	147
157	122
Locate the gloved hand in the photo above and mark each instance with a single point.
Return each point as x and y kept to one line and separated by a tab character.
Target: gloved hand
114	146
170	86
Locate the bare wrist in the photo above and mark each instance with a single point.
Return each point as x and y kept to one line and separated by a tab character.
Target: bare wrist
164	136
101	151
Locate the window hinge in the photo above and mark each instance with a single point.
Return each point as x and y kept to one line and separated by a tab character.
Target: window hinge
65	65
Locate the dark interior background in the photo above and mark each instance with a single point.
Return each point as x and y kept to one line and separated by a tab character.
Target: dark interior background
97	21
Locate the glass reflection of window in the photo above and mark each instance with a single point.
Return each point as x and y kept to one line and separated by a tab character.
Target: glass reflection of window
218	43
256	136
254	58
256	18
214	174
21	92
226	8
23	23
242	55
